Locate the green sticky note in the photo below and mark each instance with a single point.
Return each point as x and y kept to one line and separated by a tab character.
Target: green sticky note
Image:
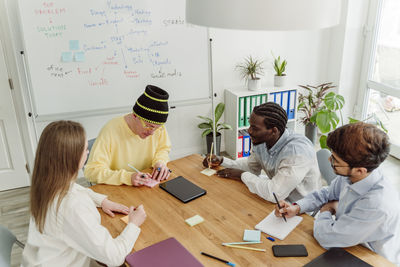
73	45
252	235
79	56
66	56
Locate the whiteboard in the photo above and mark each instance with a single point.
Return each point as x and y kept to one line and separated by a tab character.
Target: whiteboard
100	54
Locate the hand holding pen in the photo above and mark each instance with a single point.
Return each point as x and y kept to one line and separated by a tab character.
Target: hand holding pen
279	206
139	178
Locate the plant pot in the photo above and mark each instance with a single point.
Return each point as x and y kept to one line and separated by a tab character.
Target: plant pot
209	138
279	80
254	84
311	132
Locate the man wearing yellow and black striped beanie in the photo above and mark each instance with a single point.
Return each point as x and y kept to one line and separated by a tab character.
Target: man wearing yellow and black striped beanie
136	140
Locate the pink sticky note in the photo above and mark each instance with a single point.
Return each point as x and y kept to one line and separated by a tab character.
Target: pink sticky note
151	183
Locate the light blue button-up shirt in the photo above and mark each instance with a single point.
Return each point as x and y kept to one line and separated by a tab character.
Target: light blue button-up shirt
290	164
368	213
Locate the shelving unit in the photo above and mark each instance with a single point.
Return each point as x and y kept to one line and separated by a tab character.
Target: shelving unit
285	96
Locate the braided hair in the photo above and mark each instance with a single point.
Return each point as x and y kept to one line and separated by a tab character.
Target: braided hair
274	115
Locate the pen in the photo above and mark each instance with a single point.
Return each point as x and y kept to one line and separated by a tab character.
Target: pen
136	170
211	256
212	144
279	206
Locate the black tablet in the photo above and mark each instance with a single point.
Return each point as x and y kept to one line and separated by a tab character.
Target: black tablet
337	257
183	189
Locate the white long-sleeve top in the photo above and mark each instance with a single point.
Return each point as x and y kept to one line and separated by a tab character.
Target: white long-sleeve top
291	166
74	235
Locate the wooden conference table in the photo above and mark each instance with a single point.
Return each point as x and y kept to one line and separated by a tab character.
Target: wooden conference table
228	208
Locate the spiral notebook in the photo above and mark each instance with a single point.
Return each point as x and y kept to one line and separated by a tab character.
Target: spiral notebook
277	227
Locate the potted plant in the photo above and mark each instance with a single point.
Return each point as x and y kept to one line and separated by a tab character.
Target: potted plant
249	70
208	125
280	68
319	109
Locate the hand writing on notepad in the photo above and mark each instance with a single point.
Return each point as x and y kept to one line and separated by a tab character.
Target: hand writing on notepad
140	178
287	209
137	215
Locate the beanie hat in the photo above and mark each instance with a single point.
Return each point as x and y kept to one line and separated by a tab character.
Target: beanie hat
152	105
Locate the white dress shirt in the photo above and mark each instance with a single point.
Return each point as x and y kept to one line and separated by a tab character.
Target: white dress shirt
291	166
368	213
73	235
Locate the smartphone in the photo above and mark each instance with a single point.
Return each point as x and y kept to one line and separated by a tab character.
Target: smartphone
289	251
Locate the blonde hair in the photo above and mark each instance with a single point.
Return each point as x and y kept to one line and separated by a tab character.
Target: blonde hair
56	164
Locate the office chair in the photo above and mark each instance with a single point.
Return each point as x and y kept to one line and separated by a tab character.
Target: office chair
325	168
90	145
7	240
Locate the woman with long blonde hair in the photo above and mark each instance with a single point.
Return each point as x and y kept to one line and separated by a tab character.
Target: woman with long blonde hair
65	227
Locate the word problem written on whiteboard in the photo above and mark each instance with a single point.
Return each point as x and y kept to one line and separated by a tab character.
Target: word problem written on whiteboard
97	54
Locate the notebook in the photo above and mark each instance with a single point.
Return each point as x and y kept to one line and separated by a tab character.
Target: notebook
337	257
167	253
183	189
276	226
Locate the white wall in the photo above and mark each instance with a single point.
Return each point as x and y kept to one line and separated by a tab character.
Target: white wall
313	57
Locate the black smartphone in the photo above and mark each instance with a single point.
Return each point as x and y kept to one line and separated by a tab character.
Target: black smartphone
289	251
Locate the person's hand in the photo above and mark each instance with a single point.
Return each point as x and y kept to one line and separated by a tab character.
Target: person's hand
140	178
109	206
230	173
330	206
160	172
215	161
286	209
137	216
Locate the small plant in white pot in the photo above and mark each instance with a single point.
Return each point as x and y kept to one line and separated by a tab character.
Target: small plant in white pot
280	68
249	69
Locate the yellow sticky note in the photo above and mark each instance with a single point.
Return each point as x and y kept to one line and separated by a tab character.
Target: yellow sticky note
208	172
125	219
196	219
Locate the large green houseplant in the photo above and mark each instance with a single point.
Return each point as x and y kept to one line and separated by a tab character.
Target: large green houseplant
249	70
320	108
208	125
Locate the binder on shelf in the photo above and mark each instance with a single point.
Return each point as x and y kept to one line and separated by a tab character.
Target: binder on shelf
246	145
253	102
241	115
264	98
285	101
292	104
278	98
259	102
247	104
240	146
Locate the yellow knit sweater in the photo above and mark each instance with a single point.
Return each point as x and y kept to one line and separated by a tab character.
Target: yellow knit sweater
117	145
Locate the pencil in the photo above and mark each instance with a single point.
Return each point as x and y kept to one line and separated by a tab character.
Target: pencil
136	170
279	206
243	243
212	144
256	249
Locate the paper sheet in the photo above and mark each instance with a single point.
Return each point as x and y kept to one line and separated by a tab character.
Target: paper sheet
276	226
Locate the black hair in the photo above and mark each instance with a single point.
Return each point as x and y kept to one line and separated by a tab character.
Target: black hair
274	115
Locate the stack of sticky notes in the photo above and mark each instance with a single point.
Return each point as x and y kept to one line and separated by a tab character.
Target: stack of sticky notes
208	172
196	219
252	235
